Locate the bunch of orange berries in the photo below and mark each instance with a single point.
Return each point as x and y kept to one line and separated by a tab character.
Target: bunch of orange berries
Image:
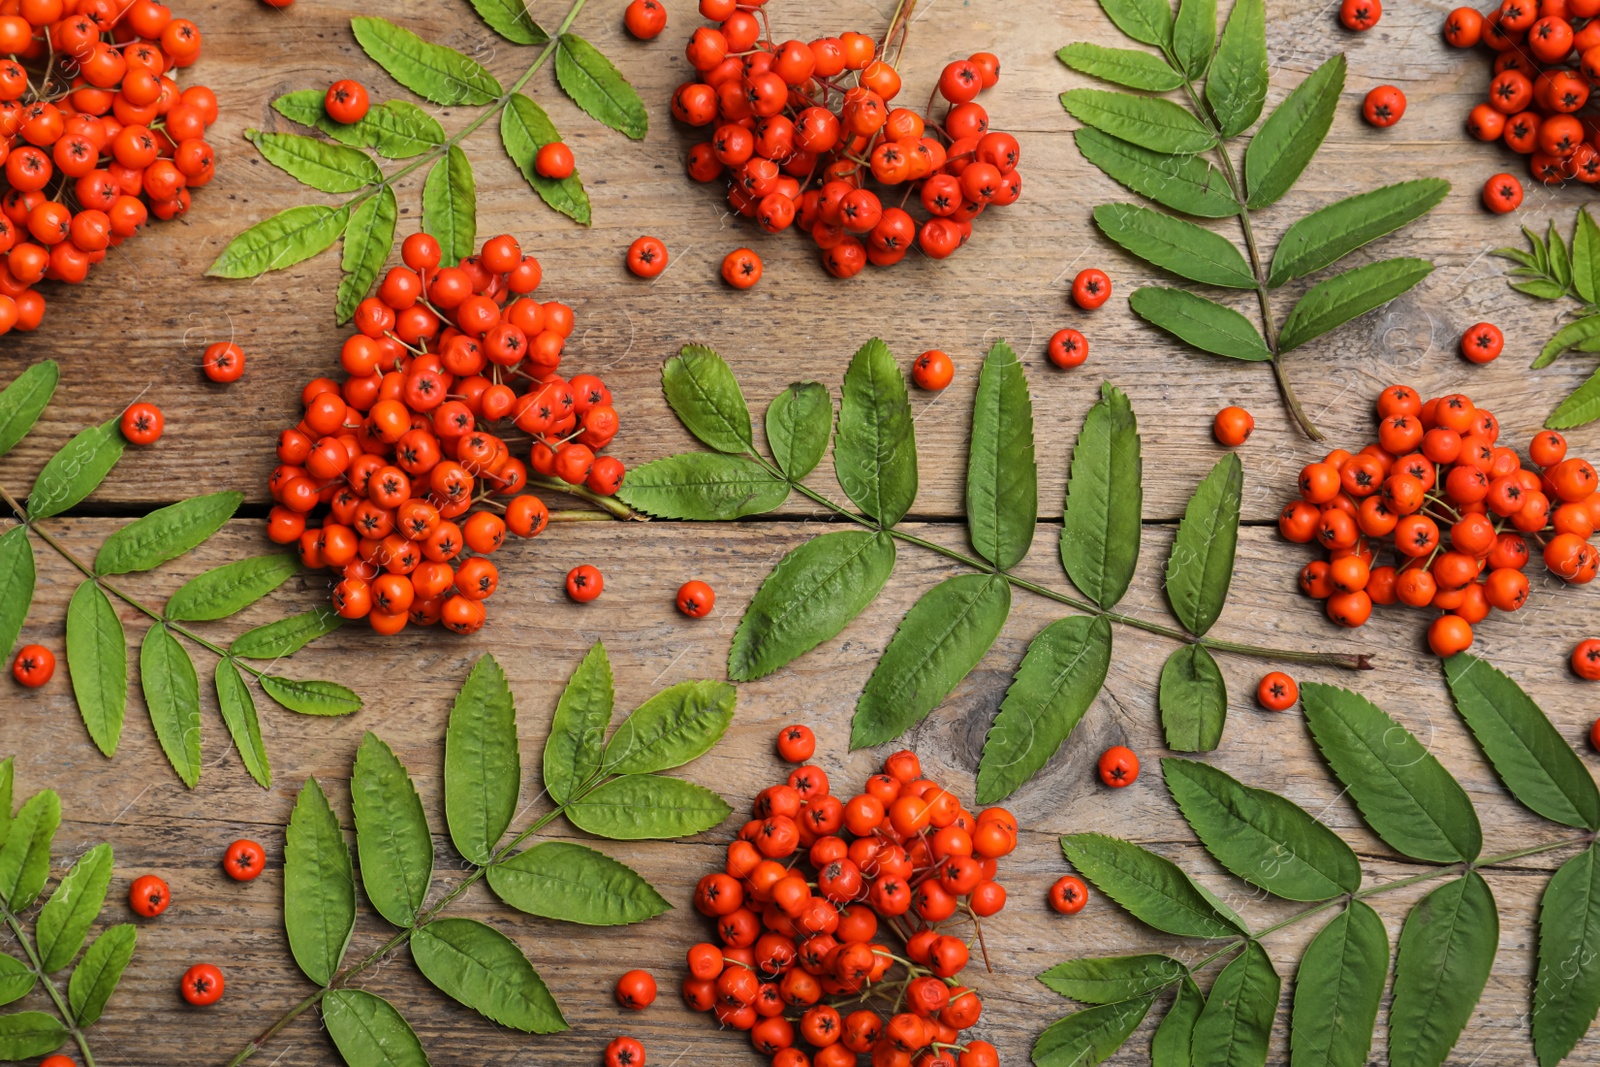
399	477
95	136
1458	508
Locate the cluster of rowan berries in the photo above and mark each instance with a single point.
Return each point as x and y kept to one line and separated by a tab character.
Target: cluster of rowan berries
799	128
394	460
1547	60
1437	467
809	887
94	134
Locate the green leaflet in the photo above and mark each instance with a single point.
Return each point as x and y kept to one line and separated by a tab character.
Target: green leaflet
1292	134
450	205
287	238
1327	235
24	400
510	19
1172	1045
310	697
436	73
1002	477
1447	946
1059	677
25	859
677	725
1200	566
1566	994
16	980
172	695
703	486
95	977
368	1032
570	883
943	636
799	426
1150	121
1193	699
810	596
1109	979
1105	494
1149	887
1261	837
1236	1024
1334	302
1205	324
1572	335
393	844
578	730
1090	1036
27	1034
875	451
524	129
76	470
97	660
596	86
1236	85
1177	245
232	587
165	533
1124	66
706	397
1181	182
367	242
1146	21
8	781
1579	409
319	892
65	919
482	766
328	167
285	637
1586	257
16	584
1560	261
238	708
395	129
485	970
1529	755
641	807
1194	35
1542	288
1400	788
1337	990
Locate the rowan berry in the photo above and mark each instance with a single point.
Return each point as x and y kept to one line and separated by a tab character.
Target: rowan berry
1360	15
1385	105
244	860
142	424
57	1060
636	989
1463	27
1118	766
1586	659
346	101
1091	288
554	161
1482	343
202	985
933	370
1068	348
1069	894
645	19
1502	193
584	583
624	1052
741	268
148	896
1449	634
1232	426
647	256
696	599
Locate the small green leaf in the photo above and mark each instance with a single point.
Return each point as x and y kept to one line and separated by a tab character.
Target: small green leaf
799	426
482	765
450	206
97	660
95	978
1579	409
76	470
703	486
330	168
287	238
232	587
1193	699
238	708
1181	182
1566	994
1088	1037
1200	566
642	807
319	892
435	73
1002	477
165	533
1328	235
677	725
1292	134
1235	1026
1541	254
25	859
1194	36
1236	85
706	397
1573	334
392	839
1177	245
1148	121
524	129
24	400
485	970
570	883
510	19
367	242
1100	523
16	585
311	697
1150	887
1172	1044
1560	261
1541	288
65	919
1516	255
1124	66
172	695
27	1034
1060	676
1346	296
1109	979
1338	988
943	636
368	1032
810	596
1447	946
16	980
1146	21
596	86
395	129
1205	324
285	637
578	730
1586	257
875	451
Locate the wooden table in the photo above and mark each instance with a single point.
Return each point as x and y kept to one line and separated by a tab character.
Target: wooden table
137	327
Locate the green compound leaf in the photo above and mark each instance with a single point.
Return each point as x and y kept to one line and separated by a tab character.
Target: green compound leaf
1346	296
435	73
1200	566
1579	409
578	731
482	765
287	238
484	969
875	451
570	883
1088	1037
1205	324
1235	1026
172	695
65	919
24	400
703	486
707	399
395	129
1100	524
369	1032
238	707
1338	988
165	533
1193	699
25	859
95	977
450	206
799	426
76	470
1181	182
392	838
330	168
1150	121
285	637
1236	85
1109	979
1447	946
1149	887
230	588
16	585
311	697
641	807
595	85
524	129
510	19
1576	334
319	892
97	660
1177	245
1566	994
1002	477
1292	134
1124	66
367	242
1325	236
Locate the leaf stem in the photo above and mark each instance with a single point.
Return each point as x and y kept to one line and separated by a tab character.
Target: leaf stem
36	965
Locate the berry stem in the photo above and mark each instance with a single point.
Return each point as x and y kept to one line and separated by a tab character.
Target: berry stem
610	503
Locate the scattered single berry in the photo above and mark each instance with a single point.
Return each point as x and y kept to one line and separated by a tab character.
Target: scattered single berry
647	256
1069	894
1277	692
148	896
645	19
636	990
741	268
34	666
933	370
1586	659
223	362
244	860
1383	106
1502	193
1068	348
346	101
1482	343
142	423
796	744
554	161
1118	766
202	985
585	583
624	1052
1091	288
1233	426
57	1060
696	599
1360	15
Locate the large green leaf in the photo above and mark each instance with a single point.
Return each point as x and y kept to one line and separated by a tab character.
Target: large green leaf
76	470
16	979
1332	303
1200	566
285	637
65	919
1447	946
1090	1036
875	452
238	708
1172	1045
1337	990
24	400
1331	233
703	486
319	892
1292	134
1205	324
172	695
706	397
1002	478
810	596
1146	21
392	838
323	165
16	584
677	725
1566	994
1193	699
1579	409
641	807
482	765
1579	333
1181	182
1194	35
1401	789
1124	66
510	19
395	129
436	73
1177	245
1263	838
1100	522
368	1032
943	636
450	206
578	730
1149	121
221	591
524	129
1235	1026
287	238
1109	979
1236	85
1059	678
25	859
367	243
311	697
97	660
595	85
165	533
27	1034
95	977
485	970
1150	887
571	883
799	426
